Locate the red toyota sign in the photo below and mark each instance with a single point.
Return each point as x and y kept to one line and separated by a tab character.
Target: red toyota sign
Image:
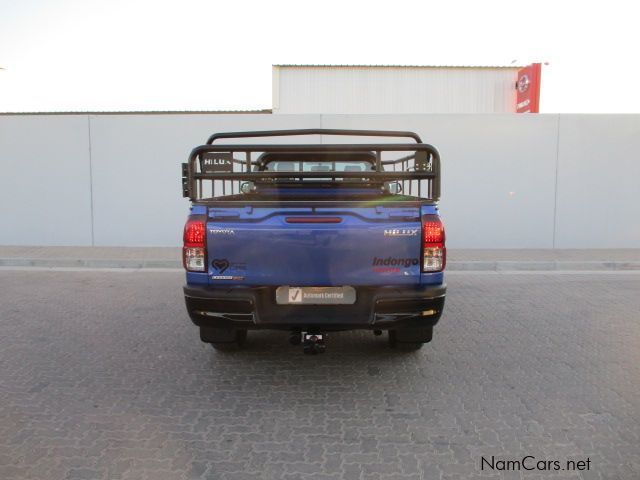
528	89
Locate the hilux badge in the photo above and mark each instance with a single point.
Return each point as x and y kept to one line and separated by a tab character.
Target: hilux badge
401	232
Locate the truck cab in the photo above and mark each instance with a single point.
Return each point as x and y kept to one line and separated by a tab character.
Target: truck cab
314	238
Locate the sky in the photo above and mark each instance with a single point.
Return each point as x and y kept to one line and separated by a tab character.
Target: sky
72	55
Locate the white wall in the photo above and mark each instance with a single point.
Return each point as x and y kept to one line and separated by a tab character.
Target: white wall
598	201
137	192
498	172
45	187
509	181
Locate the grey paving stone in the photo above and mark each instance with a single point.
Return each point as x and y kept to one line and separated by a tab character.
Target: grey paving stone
103	376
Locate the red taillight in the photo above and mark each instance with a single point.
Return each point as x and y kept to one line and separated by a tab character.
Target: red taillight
434	253
195	233
433	231
194	250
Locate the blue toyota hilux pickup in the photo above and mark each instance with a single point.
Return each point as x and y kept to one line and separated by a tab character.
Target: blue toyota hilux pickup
314	237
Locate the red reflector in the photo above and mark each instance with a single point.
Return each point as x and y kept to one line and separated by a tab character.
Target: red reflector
433	232
194	233
313	220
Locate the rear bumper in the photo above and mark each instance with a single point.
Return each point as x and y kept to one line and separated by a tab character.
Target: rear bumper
255	307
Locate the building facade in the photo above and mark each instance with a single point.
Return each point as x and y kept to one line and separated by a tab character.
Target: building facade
357	89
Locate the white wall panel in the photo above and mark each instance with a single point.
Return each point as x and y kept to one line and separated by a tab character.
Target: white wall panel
598	182
498	173
45	196
136	170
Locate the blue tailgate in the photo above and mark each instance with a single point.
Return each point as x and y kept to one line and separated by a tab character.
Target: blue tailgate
287	246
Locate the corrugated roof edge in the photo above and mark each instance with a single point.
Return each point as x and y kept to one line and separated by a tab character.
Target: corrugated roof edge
148	112
293	65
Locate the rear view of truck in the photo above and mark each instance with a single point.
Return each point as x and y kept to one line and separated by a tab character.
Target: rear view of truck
314	238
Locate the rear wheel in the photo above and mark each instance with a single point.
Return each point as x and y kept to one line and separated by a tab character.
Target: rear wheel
409	339
223	338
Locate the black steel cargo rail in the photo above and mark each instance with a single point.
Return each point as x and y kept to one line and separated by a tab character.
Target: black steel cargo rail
422	164
315	131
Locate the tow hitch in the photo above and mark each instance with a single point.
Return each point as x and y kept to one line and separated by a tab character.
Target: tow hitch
313	343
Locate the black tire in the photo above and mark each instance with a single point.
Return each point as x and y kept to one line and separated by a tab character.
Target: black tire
410	339
223	338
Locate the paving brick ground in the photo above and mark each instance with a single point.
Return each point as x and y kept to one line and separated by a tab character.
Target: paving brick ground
102	376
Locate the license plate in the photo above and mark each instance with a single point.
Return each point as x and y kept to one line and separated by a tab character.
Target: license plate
286	295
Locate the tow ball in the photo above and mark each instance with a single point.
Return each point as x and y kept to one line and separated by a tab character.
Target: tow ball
313	343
